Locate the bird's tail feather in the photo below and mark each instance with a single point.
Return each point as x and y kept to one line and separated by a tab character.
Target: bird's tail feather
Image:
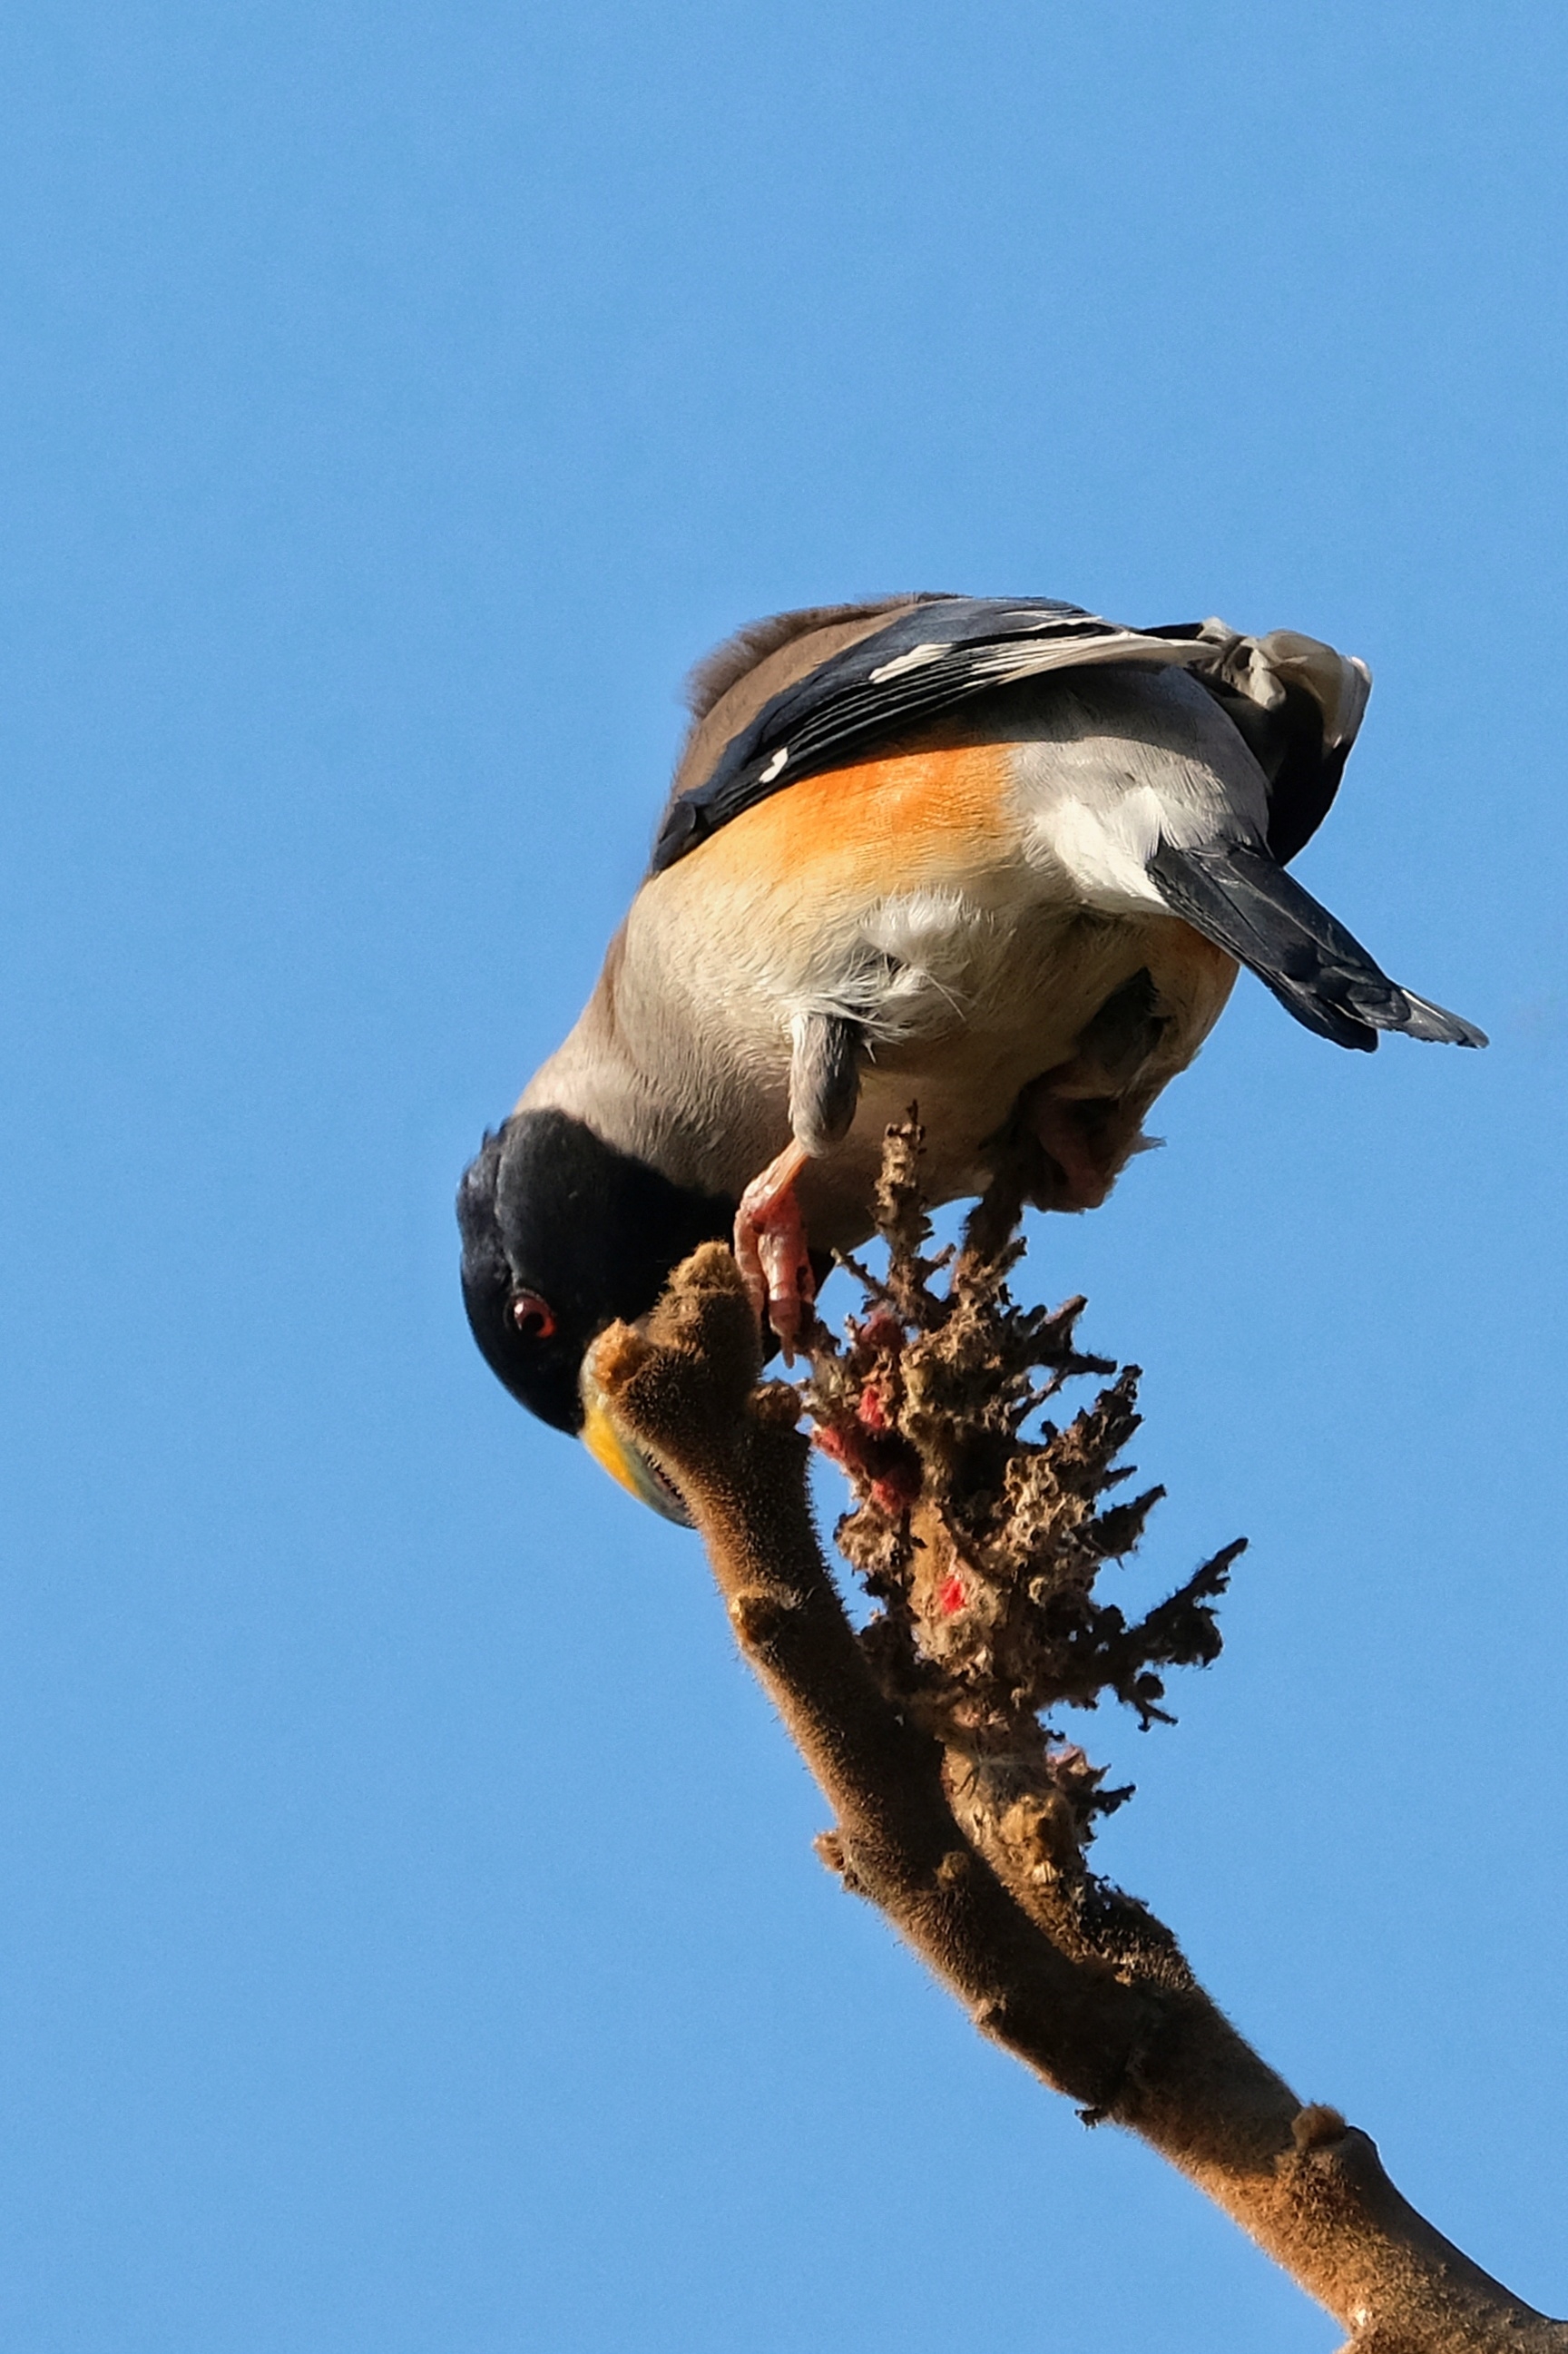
1243	900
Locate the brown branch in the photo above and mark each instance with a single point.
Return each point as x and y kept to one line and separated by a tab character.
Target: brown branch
969	1839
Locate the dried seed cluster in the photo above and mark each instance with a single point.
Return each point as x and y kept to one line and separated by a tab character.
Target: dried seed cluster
983	1547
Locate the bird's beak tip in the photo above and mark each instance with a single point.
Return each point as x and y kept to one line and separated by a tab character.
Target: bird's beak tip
625	1461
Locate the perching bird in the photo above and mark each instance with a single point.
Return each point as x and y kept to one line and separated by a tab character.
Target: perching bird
996	856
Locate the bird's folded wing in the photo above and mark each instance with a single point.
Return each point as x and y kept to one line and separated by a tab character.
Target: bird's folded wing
1297	702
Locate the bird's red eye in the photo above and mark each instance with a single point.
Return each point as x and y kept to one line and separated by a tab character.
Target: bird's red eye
534	1316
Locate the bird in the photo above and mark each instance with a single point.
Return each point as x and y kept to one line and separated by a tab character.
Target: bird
1001	858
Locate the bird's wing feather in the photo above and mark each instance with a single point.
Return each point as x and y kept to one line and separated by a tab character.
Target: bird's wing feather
1297	703
1238	897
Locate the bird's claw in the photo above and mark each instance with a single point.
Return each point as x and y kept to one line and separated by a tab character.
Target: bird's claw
770	1250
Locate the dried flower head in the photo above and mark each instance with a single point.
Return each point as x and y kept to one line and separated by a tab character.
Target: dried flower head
984	1547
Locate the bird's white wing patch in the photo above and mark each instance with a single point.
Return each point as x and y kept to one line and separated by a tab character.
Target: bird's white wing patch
915	658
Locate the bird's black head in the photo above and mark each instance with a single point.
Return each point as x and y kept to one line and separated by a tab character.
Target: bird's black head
562	1233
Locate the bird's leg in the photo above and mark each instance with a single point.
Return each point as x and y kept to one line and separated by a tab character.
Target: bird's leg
770	1248
826	1050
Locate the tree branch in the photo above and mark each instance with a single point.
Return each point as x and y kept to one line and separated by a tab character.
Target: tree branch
955	1814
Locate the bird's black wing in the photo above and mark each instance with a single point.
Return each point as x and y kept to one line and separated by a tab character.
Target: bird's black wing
1240	899
920	666
1297	702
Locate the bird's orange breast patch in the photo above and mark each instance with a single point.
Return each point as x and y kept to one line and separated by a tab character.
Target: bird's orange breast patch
902	822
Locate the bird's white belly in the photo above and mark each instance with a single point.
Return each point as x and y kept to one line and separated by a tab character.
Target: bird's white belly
964	997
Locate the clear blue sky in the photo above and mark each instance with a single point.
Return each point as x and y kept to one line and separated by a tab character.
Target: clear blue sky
409	1939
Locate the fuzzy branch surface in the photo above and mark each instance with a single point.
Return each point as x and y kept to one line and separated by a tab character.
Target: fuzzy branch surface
960	1810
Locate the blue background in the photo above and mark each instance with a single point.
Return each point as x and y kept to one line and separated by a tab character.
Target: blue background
410	1940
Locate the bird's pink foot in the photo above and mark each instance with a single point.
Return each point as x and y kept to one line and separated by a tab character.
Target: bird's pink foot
770	1249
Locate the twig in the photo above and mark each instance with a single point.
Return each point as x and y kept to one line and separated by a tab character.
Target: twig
968	1837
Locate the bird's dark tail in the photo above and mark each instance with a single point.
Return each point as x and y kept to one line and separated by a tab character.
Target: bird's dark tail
1243	900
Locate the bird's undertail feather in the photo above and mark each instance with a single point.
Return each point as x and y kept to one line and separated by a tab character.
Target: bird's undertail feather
1239	897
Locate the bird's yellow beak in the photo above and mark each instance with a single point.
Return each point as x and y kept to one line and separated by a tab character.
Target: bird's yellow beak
624	1459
